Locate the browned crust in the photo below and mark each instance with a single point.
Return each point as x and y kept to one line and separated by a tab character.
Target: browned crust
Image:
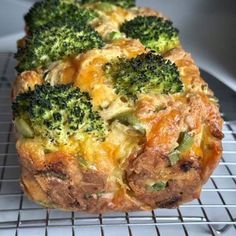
185	179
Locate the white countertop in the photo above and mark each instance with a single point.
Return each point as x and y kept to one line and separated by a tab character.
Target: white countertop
207	30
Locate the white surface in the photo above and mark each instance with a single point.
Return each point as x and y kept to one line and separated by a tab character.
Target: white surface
207	29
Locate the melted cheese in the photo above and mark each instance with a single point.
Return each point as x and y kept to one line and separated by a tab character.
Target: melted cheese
107	155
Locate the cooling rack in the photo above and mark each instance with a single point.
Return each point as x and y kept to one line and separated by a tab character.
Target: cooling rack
213	214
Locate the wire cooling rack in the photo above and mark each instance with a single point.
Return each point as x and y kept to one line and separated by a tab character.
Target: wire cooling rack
214	213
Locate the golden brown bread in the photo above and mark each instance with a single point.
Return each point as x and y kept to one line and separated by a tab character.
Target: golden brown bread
118	169
58	179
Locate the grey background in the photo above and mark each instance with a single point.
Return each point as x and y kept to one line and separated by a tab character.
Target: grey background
207	29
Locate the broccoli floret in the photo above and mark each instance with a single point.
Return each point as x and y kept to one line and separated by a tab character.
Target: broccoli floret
55	42
154	32
57	113
185	142
146	73
120	3
57	10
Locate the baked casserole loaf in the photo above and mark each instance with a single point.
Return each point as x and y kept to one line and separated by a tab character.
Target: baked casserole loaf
111	113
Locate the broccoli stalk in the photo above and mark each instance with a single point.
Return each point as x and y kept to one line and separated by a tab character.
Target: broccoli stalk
185	142
144	74
55	42
56	113
128	118
154	32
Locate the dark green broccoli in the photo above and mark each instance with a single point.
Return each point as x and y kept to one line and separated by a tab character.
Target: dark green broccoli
56	113
154	32
54	42
120	3
57	10
146	73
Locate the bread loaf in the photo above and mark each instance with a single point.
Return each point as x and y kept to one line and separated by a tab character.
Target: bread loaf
111	113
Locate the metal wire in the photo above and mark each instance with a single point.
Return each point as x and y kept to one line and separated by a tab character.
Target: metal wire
214	212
